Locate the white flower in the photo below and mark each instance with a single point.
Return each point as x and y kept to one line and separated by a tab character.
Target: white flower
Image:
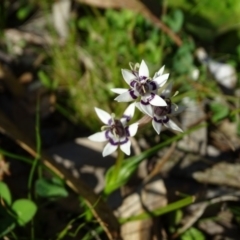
116	131
161	114
141	85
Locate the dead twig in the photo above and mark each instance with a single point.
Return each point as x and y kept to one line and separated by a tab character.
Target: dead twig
161	163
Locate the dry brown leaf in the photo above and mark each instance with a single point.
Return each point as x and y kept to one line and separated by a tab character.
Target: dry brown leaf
151	196
222	174
10	81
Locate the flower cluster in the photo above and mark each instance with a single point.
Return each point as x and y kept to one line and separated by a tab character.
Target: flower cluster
143	90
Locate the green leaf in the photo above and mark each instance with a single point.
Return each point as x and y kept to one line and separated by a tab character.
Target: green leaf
126	171
174	20
24	12
5	193
25	210
46	81
7	221
192	234
160	211
50	188
174	219
219	111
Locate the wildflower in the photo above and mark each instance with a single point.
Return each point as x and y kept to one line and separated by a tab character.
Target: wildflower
162	114
141	85
116	131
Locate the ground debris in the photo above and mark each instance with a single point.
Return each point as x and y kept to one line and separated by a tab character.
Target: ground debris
221	174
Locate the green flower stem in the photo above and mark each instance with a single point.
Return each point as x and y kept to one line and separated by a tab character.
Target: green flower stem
118	163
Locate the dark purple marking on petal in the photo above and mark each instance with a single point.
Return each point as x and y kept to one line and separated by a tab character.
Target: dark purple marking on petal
144	103
153	85
131	92
110	139
127	131
152	95
128	118
142	79
110	122
107	134
112	142
133	83
162	120
166	120
116	143
123	141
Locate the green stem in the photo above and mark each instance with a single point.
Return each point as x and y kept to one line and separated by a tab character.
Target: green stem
38	149
35	161
14	156
118	163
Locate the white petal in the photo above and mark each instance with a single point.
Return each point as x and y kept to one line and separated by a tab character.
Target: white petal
128	76
159	73
125	97
138	105
126	147
147	109
158	101
108	149
157	126
143	69
130	110
119	90
98	137
167	91
161	70
133	129
103	115
173	125
161	80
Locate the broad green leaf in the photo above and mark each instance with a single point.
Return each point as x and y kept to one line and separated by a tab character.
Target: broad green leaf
174	20
174	219
5	193
25	210
57	181
219	111
192	234
183	59
126	171
50	188
24	12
